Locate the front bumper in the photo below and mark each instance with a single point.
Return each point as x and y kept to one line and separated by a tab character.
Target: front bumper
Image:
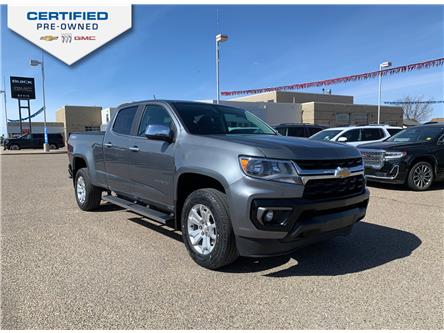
391	172
309	222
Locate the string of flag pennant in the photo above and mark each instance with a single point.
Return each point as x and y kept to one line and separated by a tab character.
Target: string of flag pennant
30	117
344	79
414	102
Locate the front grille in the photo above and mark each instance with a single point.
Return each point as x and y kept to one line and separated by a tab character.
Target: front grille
333	187
373	159
328	164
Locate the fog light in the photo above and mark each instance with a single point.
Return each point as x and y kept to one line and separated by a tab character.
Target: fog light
269	216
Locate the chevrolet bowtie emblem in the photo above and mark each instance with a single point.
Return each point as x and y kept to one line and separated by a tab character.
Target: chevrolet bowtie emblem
49	38
342	172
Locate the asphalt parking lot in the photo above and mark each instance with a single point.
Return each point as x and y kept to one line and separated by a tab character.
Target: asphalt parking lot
64	268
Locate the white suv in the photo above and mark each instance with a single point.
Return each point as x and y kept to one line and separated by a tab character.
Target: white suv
357	135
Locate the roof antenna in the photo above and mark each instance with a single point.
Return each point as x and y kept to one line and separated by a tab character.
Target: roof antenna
154	97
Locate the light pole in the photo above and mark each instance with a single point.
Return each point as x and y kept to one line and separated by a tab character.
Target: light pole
42	65
219	39
6	111
385	64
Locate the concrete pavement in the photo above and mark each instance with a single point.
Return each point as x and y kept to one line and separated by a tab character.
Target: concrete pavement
63	268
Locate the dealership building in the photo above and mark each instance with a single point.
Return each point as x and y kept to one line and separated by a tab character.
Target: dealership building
274	107
329	110
79	118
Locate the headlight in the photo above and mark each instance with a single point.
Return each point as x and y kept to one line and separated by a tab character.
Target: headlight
393	155
276	170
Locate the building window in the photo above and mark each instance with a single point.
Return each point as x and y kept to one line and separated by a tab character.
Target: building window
92	128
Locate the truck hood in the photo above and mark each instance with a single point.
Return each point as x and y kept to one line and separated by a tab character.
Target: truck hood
291	148
386	145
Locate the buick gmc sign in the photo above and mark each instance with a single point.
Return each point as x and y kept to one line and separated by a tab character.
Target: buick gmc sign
69	32
22	87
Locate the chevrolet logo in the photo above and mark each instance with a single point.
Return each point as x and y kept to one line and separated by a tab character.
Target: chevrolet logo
342	172
49	38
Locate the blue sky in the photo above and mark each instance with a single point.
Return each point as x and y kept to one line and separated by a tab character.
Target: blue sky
170	52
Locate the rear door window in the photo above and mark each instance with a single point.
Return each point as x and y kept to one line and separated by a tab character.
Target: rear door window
371	134
124	120
296	131
352	135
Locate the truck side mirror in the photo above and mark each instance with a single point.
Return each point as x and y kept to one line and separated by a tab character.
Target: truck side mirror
159	132
342	139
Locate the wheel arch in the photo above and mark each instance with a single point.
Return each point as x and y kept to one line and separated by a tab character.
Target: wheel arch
78	162
191	180
425	158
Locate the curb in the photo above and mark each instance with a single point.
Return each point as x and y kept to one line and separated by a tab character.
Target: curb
33	153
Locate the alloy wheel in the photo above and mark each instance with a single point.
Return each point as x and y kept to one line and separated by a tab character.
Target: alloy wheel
81	190
422	176
201	229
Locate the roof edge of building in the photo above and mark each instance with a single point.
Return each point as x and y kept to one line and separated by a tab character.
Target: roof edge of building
354	104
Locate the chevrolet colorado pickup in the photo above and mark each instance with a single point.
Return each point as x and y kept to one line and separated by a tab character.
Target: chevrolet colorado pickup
226	179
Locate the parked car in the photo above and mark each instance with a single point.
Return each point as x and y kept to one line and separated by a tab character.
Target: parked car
298	130
357	135
414	156
252	193
34	140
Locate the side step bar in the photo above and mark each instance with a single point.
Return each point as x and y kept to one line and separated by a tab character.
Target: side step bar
150	213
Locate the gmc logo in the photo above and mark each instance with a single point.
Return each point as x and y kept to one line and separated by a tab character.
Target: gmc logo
84	37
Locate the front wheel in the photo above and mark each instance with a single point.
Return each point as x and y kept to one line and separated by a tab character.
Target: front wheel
206	229
420	177
88	196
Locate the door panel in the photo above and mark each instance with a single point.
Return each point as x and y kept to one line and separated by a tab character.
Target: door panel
152	166
152	170
116	152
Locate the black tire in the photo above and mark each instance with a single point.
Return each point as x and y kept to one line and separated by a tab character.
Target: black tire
53	146
420	168
92	194
14	147
224	251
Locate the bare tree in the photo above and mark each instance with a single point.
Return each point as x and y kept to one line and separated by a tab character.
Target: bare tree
415	108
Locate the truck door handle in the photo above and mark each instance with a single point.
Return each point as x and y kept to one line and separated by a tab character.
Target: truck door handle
134	148
108	145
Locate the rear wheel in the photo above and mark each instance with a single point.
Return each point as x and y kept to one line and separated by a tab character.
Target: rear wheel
420	176
206	229
88	196
53	146
14	147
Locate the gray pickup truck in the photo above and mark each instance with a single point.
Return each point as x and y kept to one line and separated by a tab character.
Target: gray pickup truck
230	182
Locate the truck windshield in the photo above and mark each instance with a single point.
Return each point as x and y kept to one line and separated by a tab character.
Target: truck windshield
207	119
417	134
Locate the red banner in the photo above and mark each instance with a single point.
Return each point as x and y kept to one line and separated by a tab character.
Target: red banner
344	79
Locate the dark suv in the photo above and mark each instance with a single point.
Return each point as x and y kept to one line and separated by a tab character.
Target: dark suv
299	130
414	156
34	140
